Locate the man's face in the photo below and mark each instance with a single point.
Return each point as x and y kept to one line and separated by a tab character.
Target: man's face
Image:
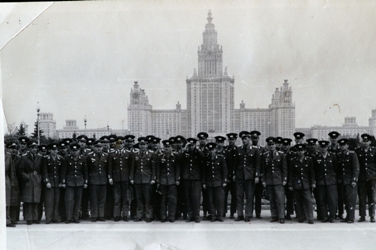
231	142
299	140
129	143
179	145
301	152
98	148
75	152
155	146
143	146
245	140
271	146
33	149
333	141
220	144
323	149
13	151
23	146
53	152
167	148
255	140
202	141
343	147
190	146
82	144
285	147
366	143
212	152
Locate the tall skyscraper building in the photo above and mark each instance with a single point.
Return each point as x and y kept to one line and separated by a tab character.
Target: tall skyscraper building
210	103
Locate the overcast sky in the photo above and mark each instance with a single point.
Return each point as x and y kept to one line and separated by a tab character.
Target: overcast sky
81	58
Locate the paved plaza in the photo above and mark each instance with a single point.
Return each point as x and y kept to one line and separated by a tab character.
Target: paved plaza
257	234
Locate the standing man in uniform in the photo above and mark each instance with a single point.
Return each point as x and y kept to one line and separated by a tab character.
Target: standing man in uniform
274	179
98	165
289	154
325	164
202	140
143	176
348	174
181	208
192	175
168	178
52	164
367	178
120	167
215	179
31	188
232	151
255	136
302	180
247	175
11	184
74	178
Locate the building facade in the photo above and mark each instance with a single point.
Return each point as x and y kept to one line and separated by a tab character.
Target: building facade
210	103
47	125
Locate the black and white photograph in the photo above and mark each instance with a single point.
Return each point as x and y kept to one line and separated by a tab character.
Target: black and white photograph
168	124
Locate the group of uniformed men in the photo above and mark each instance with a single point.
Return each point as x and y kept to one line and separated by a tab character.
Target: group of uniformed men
116	178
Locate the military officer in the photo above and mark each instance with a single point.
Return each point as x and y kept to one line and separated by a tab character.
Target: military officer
202	140
278	143
311	149
23	140
325	164
181	208
11	184
74	178
255	136
192	176
367	178
52	164
83	142
31	189
98	165
334	147
299	137
143	176
215	179
348	174
168	178
120	166
289	154
109	205
247	175
274	178
42	149
231	150
302	180
156	197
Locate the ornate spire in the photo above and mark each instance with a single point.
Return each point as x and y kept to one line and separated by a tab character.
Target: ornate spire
210	17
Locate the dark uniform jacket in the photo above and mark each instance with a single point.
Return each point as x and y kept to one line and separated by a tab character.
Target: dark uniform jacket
52	169
11	181
348	167
367	163
120	165
248	163
97	165
30	172
192	165
143	169
325	169
232	152
274	168
74	173
168	168
301	174
215	173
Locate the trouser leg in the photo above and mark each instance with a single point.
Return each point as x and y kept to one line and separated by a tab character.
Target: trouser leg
210	193
69	203
94	196
147	189
77	202
140	201
332	199
362	193
233	197
219	200
307	204
163	204
258	196
240	197
49	203
27	211
102	200
280	200
299	205
62	211
109	202
289	201
187	194
371	194
350	201
341	195
272	201
85	203
249	193
171	201
196	198
321	201
117	198
124	198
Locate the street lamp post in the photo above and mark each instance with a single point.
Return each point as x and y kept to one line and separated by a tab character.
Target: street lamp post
38	129
85	120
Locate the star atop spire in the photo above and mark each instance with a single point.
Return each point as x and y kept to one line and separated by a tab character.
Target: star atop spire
210	17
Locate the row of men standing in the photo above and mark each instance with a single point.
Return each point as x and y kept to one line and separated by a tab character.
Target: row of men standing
181	174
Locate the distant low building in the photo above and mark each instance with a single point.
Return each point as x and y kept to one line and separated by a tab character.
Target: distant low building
47	125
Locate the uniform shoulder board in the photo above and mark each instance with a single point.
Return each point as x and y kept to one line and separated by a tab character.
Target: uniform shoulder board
59	157
135	150
253	146
90	153
24	154
46	156
40	155
127	150
281	152
350	151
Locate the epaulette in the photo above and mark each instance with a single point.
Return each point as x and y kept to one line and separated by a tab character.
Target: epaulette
47	156
281	152
59	157
24	154
90	153
40	155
